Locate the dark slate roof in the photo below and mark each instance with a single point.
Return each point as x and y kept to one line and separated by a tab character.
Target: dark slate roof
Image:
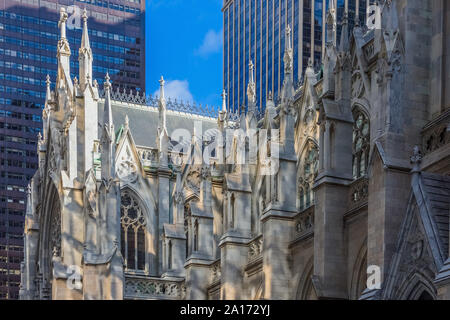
143	121
437	188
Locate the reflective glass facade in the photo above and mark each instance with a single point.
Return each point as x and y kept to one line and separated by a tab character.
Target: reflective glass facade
255	30
28	40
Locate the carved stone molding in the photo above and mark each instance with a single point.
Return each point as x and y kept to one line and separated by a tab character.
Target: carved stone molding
304	222
358	193
436	134
151	288
255	248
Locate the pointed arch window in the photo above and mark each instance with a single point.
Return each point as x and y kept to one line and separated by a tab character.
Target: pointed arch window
187	226
196	235
132	232
308	171
232	210
55	230
361	143
169	258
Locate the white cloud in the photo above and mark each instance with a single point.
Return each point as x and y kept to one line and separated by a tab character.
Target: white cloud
212	43
176	89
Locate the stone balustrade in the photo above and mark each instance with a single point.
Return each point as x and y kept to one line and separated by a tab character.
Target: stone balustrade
359	193
143	287
255	248
304	222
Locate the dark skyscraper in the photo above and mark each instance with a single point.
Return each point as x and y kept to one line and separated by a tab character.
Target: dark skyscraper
28	38
254	30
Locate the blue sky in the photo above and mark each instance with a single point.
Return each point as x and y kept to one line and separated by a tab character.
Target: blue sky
184	44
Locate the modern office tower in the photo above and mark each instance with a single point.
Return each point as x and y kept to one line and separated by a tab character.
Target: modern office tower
28	38
254	30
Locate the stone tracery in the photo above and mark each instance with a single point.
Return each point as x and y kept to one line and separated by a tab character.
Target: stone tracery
133	226
308	171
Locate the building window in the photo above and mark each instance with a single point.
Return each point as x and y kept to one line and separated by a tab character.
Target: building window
233	211
187	226
169	256
361	143
55	230
196	235
308	170
132	232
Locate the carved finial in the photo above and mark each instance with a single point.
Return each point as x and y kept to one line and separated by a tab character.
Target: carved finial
251	88
416	159
224	101
127	121
95	83
161	88
62	22
84	15
107	84
62	15
48	93
288	54
270	96
310	63
75	81
288	37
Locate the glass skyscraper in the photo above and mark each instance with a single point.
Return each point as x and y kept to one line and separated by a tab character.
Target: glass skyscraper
28	42
254	30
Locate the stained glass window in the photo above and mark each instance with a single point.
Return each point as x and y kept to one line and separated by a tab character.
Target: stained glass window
308	172
132	232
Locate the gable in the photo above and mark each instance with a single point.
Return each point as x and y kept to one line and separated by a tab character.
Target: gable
128	164
413	256
423	239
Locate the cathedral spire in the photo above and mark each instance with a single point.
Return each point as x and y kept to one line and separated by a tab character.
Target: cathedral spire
107	139
85	36
109	192
85	55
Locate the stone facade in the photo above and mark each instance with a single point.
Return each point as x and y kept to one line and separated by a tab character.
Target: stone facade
351	182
